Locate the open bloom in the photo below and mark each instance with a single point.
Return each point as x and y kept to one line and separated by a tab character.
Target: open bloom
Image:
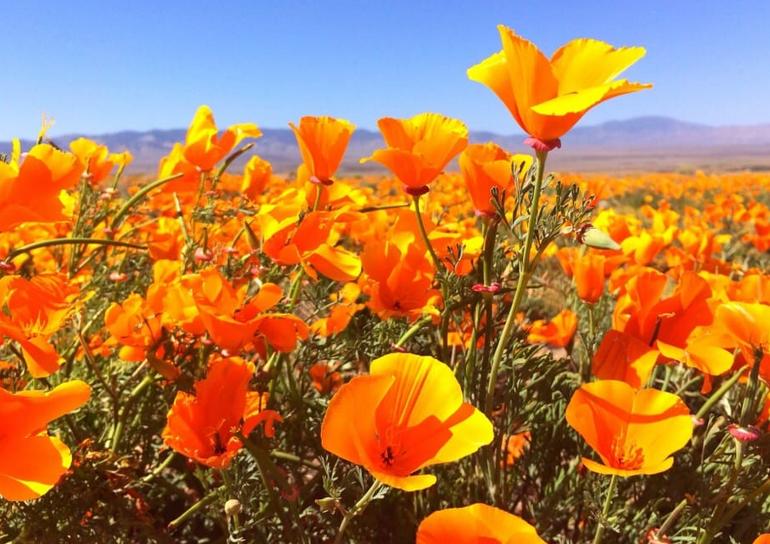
31	461
97	160
407	414
547	97
37	308
203	426
476	524
205	145
322	142
633	431
419	148
557	332
30	191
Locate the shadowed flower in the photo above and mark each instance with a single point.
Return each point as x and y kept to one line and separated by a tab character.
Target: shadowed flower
407	414
633	431
557	332
547	97
476	524
419	148
203	426
31	461
322	142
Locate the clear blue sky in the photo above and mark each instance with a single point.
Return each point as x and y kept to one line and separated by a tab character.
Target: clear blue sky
103	66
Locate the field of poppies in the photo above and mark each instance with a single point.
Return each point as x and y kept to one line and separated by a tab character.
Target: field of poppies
454	351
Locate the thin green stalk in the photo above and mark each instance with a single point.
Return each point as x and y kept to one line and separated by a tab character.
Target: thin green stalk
139	195
521	285
668	524
120	424
69	241
194	509
605	510
357	509
411	331
424	234
718	394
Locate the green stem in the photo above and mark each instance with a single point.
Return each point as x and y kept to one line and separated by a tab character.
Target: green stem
195	508
357	509
69	241
411	331
718	394
671	519
605	510
120	425
424	234
521	285
123	211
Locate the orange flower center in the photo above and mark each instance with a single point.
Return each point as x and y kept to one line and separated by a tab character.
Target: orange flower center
627	456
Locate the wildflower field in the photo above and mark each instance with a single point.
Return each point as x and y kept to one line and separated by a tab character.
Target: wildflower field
464	348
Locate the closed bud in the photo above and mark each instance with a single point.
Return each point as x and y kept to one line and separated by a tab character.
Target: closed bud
232	507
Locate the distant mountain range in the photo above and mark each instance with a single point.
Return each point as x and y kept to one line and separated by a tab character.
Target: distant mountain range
641	143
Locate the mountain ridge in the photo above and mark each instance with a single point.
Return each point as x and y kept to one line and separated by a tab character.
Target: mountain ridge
649	142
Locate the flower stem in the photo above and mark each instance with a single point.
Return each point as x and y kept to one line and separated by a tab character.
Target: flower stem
718	394
190	512
411	331
357	509
69	241
118	219
424	234
521	285
605	510
671	519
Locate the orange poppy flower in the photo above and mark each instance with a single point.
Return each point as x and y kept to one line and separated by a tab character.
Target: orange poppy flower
290	237
97	160
325	378
763	539
407	414
621	356
514	447
633	431
588	274
205	145
202	426
256	176
322	142
233	321
476	524
398	283
557	332
38	308
341	313
486	167
133	325
547	97
419	148
737	326
176	163
31	461
645	313
30	191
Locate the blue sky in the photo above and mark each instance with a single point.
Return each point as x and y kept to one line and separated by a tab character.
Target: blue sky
104	66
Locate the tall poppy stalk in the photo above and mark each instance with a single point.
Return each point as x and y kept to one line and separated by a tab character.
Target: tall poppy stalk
525	270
